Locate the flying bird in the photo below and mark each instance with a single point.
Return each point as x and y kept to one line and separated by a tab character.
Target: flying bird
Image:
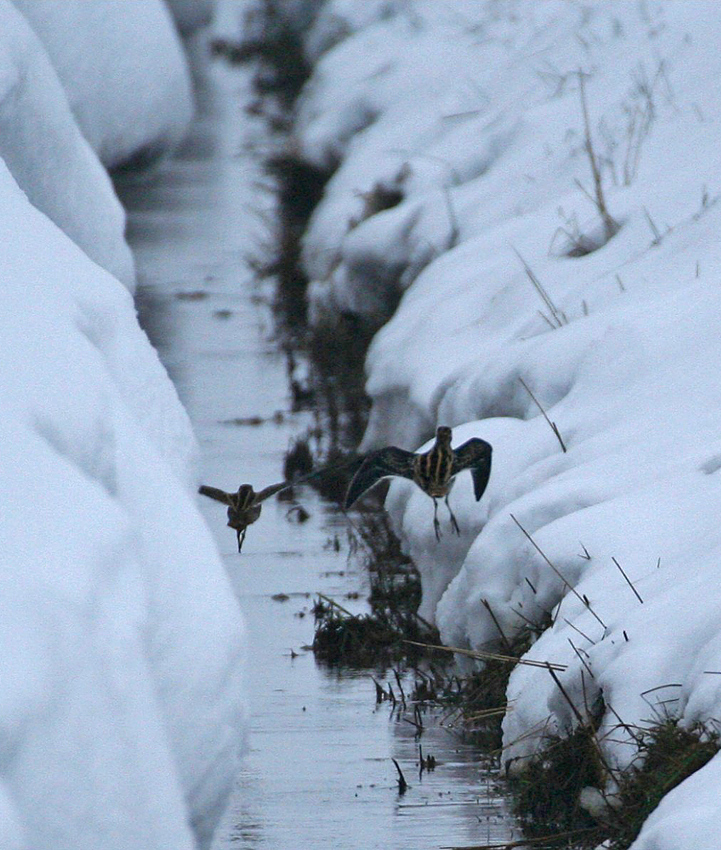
244	506
433	471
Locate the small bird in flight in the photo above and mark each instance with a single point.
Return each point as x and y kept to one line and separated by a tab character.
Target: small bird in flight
244	506
433	471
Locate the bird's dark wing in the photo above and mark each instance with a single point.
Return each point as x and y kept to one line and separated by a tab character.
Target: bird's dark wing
215	493
474	454
274	488
286	485
380	464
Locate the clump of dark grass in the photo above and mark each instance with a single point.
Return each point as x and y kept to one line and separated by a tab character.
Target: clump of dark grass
298	460
547	793
381	636
333	383
335	347
476	702
395	585
668	754
277	45
336	350
299	187
364	640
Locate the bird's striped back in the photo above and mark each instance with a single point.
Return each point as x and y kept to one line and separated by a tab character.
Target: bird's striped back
432	471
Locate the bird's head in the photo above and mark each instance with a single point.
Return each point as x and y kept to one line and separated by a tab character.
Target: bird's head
443	435
245	496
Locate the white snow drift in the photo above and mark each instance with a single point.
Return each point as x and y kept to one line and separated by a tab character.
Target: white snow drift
472	112
121	707
47	154
123	69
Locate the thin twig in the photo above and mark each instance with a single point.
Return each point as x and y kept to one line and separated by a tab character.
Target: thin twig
576	629
552	425
534	626
540	289
584	190
546	319
581	658
424	622
555	569
334	604
402	784
538	730
633	733
630	583
481	655
500	711
506	643
657	235
568	699
400	688
610	225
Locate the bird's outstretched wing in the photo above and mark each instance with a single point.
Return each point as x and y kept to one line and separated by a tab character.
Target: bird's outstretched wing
273	489
215	493
474	454
380	464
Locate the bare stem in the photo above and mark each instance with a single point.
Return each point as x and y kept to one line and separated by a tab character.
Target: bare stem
582	599
504	640
557	315
482	655
628	580
610	225
552	425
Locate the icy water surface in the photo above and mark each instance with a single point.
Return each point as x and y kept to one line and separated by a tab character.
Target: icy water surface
319	772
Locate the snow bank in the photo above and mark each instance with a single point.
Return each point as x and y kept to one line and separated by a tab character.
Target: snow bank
122	646
617	339
335	21
47	155
123	70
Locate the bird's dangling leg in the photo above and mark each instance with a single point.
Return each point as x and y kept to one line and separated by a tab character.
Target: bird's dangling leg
454	523
436	524
241	537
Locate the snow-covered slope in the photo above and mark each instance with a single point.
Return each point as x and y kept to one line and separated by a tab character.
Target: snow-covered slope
47	154
121	707
123	69
473	112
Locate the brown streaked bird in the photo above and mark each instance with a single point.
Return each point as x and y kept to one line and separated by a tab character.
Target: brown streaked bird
433	471
244	506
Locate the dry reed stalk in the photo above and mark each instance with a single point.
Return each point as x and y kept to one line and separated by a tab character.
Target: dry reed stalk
482	655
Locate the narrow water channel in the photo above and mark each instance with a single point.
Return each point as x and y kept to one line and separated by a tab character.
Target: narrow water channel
318	773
